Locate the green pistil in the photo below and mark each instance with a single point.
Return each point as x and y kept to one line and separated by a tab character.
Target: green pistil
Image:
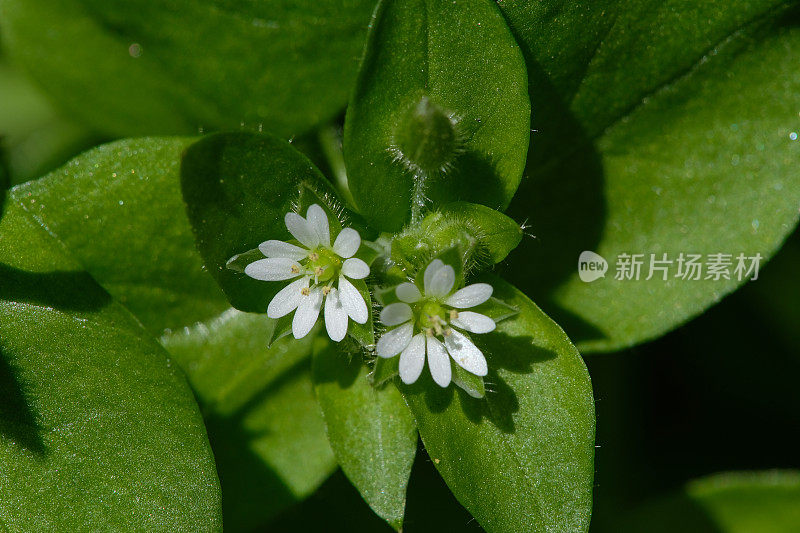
430	315
324	264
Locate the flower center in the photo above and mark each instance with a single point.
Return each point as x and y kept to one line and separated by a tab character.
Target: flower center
324	264
432	318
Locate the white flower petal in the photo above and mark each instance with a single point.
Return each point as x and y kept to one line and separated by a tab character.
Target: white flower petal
396	313
408	292
301	230
439	362
412	359
273	269
352	301
430	270
282	249
470	296
442	282
335	316
287	299
466	354
318	222
347	242
307	313
473	322
394	341
355	268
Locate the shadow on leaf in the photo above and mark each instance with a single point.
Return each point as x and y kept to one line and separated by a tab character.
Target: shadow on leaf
18	420
563	199
247	504
72	291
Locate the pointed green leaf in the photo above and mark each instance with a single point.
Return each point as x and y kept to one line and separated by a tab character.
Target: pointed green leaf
370	429
364	333
149	68
468	382
663	127
440	111
520	459
98	429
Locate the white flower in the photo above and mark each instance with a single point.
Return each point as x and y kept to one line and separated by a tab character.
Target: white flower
320	273
435	313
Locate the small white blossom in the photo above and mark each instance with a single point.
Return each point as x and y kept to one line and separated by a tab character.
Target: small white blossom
435	313
319	271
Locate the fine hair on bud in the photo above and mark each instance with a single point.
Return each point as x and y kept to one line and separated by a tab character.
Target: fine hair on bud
427	139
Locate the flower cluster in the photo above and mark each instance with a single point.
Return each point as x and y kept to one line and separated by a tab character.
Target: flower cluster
320	273
433	322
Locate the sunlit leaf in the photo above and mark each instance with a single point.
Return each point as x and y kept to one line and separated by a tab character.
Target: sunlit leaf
370	429
664	127
98	428
520	459
440	111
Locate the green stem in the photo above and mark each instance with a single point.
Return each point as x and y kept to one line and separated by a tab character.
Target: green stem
330	139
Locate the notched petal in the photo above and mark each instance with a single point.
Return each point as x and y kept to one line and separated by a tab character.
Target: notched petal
347	243
301	230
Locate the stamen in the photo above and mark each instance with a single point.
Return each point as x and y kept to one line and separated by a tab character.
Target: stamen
448	332
429	332
437	328
453	314
314	256
318	271
305	291
295	269
326	290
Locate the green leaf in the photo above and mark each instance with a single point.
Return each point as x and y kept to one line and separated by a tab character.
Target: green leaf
733	502
98	429
371	430
384	370
440	111
486	235
469	382
263	420
364	333
520	459
675	137
118	210
35	135
238	187
144	68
